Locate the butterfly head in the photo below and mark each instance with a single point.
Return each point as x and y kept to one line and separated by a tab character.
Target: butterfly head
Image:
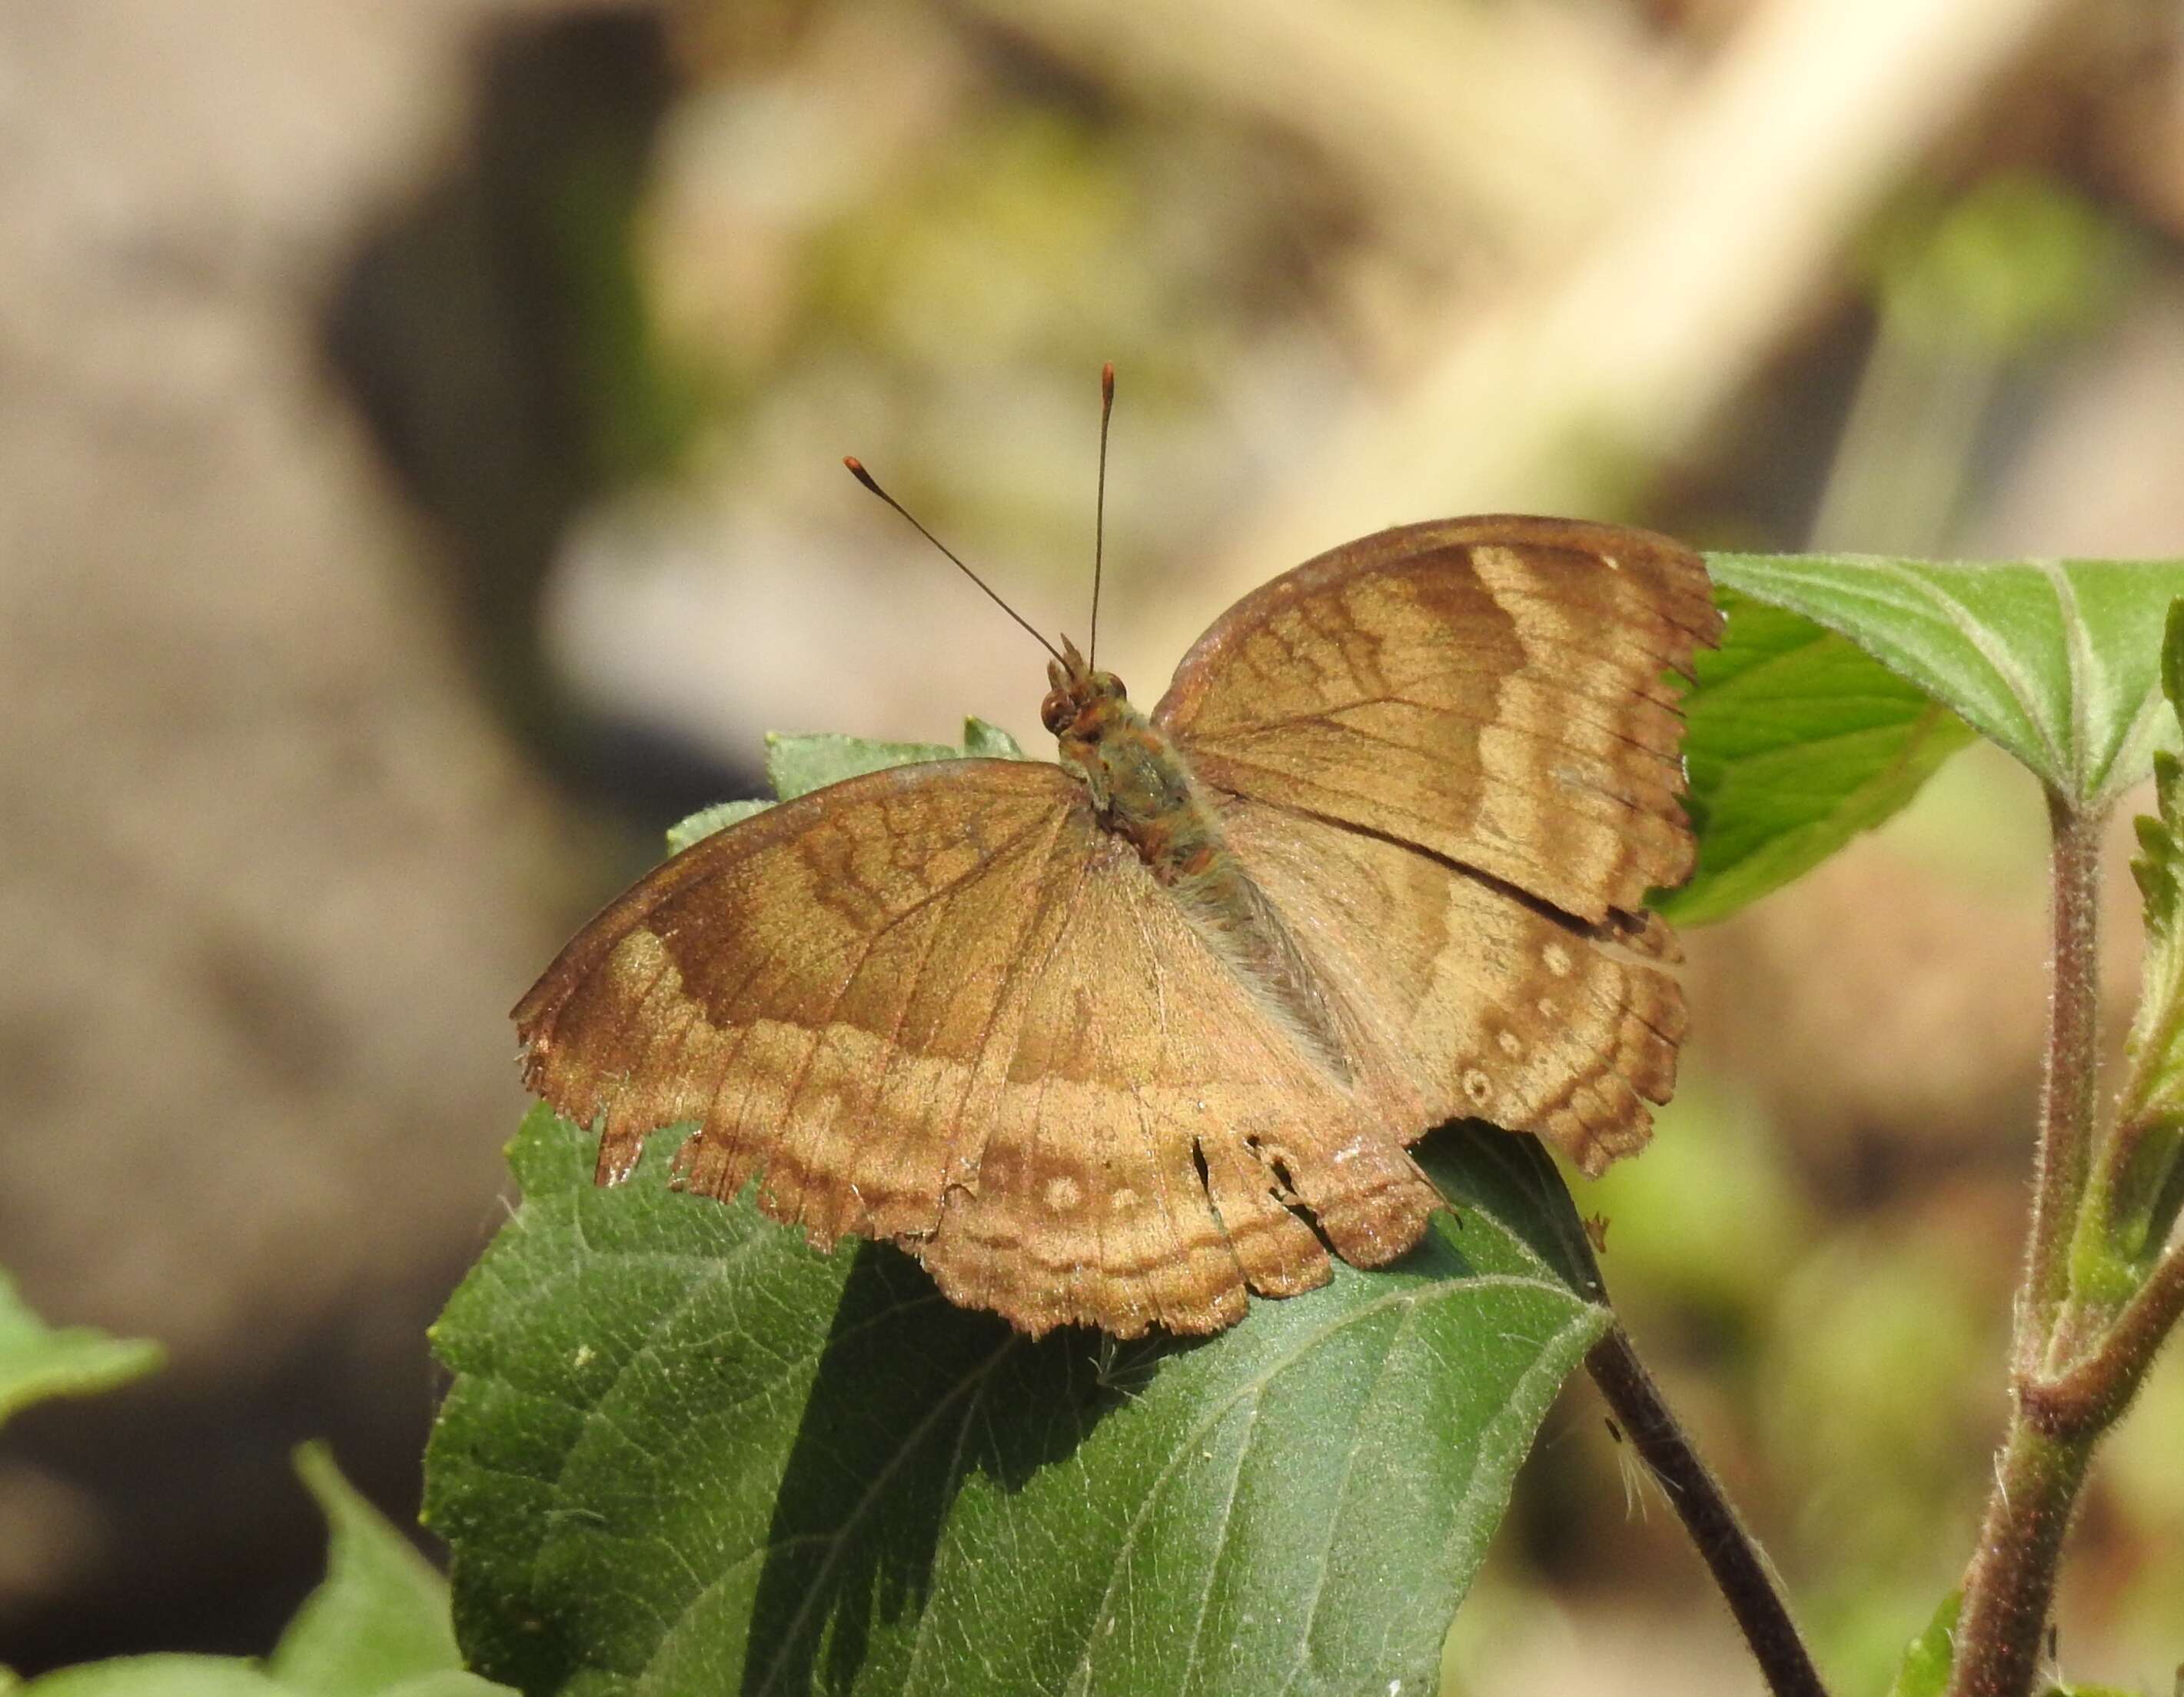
1080	699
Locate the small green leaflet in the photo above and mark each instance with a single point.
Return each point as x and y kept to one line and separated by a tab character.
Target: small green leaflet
706	821
1925	1669
377	1626
38	1361
380	1620
798	763
2148	1194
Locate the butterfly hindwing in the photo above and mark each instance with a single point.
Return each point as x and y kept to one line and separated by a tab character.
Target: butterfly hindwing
1473	1002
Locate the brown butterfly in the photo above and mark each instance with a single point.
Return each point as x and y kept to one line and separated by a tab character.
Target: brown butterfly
1115	1041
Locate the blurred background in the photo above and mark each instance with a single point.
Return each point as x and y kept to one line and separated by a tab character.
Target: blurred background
420	428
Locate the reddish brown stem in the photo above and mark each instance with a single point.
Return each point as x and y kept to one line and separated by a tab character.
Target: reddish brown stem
2071	1074
1738	1567
2010	1585
2011	1588
2093	1392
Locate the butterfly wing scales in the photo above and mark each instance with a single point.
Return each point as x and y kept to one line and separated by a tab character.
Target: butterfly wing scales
1456	769
940	1005
762	983
1470	1002
1144	1078
1490	689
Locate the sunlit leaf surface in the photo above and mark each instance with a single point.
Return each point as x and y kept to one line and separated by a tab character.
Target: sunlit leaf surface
684	1453
1796	741
380	1619
2059	661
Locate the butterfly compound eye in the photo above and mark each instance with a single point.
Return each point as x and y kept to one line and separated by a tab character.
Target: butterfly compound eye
1056	712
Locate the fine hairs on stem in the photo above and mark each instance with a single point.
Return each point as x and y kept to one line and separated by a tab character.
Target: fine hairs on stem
2010	1586
1739	1567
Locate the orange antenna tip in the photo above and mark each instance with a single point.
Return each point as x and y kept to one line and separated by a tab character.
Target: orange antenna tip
1107	381
857	470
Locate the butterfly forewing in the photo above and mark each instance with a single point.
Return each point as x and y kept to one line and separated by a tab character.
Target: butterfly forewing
1492	689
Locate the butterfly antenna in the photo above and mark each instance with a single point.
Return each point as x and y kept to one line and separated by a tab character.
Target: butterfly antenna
858	472
1100	503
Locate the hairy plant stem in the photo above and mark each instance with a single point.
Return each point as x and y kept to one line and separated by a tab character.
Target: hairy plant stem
2009	1586
1739	1568
2089	1393
2068	1086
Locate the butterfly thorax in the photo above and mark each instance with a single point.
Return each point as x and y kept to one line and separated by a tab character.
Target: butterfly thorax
1141	786
1143	790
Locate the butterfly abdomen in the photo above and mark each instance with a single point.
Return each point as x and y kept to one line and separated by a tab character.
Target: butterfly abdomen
1233	916
1143	790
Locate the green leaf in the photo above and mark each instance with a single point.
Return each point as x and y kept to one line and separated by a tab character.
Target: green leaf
2059	661
38	1361
1796	741
2137	1206
2154	1090
377	1626
796	764
1925	1671
706	821
381	1616
218	1676
683	1451
159	1675
990	742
